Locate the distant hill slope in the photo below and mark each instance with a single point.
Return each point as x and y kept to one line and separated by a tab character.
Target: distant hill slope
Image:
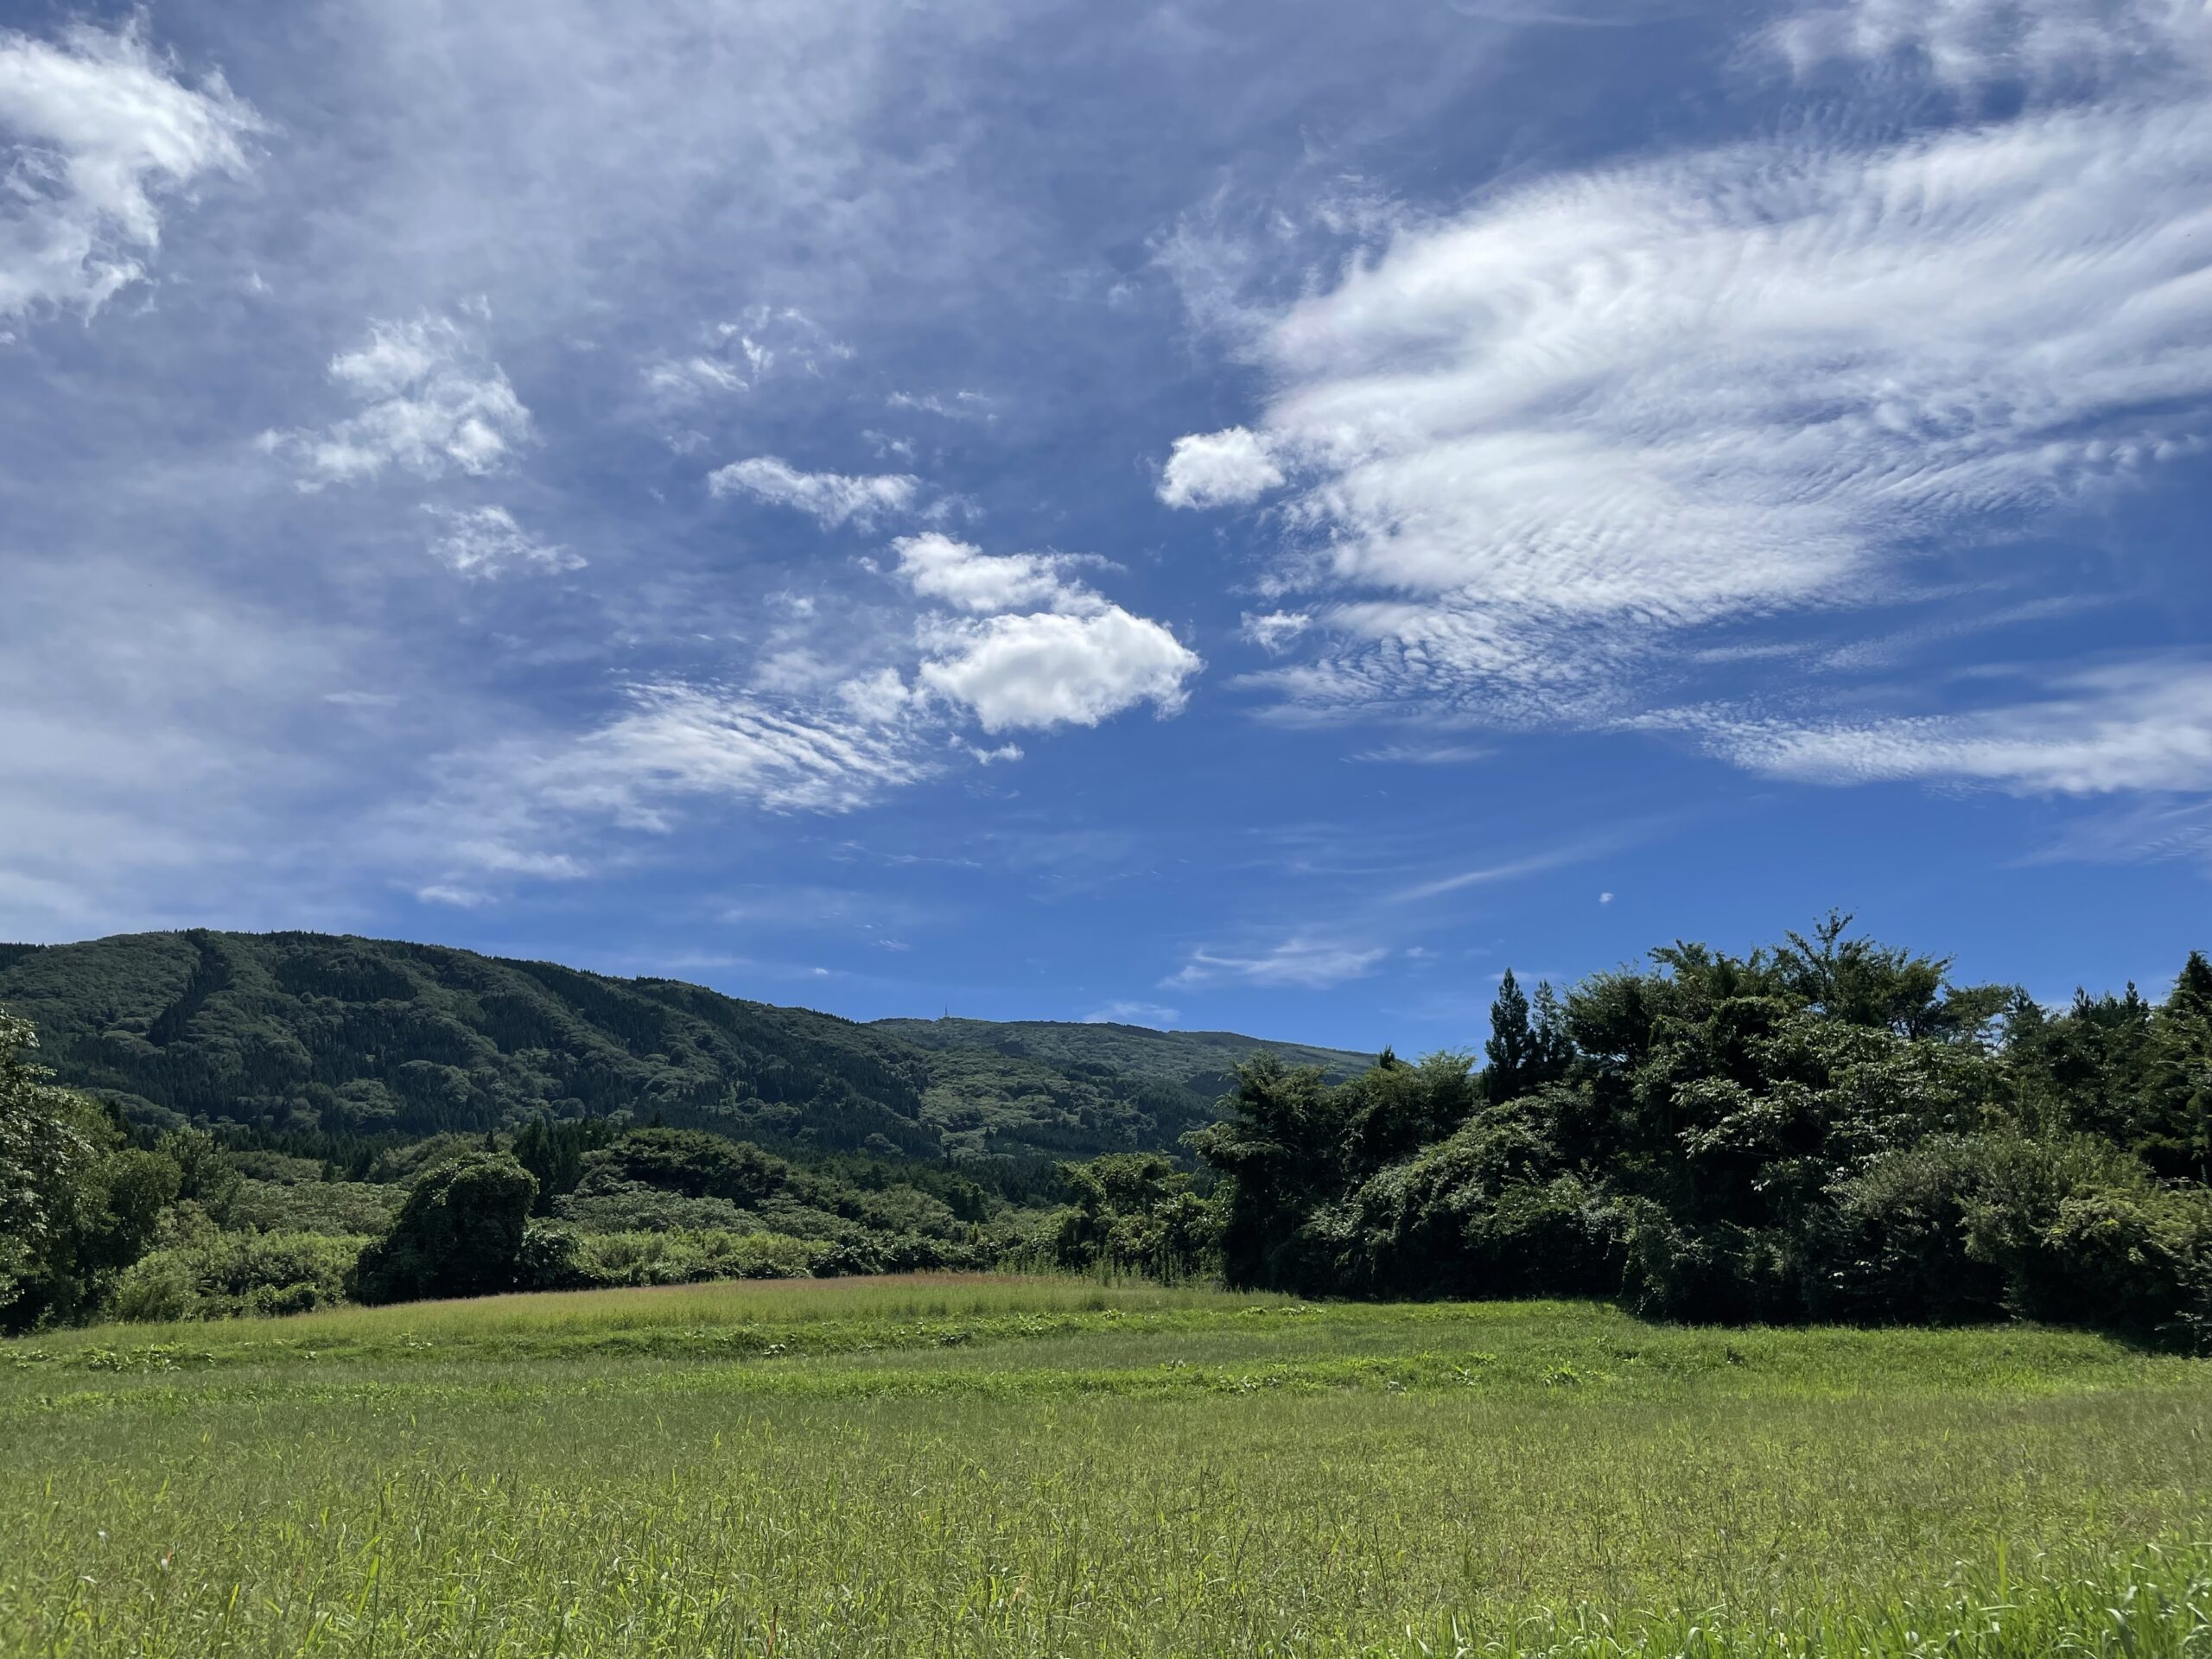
311	1030
1201	1061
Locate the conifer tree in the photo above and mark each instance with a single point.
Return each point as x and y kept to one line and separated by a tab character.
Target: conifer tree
1512	1043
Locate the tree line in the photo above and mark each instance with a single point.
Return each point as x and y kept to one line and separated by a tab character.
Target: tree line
1825	1129
1830	1129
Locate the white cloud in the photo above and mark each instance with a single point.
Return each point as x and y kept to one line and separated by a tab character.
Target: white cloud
430	402
878	698
487	541
2143	832
683	380
832	499
964	576
2046	43
444	893
1132	1014
1274	632
1311	965
1535	441
770	337
506	859
961	406
94	133
739	356
1605	898
693	740
1219	469
1421	754
1052	670
1554	857
2140	726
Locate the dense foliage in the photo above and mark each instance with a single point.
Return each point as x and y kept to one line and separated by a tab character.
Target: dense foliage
1829	1130
364	1041
99	1216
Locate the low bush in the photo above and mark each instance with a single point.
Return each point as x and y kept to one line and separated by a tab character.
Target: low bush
681	1257
224	1276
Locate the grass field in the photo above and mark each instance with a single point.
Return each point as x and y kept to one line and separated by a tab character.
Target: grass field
993	1466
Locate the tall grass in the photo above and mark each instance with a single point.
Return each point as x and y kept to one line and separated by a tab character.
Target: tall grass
964	1466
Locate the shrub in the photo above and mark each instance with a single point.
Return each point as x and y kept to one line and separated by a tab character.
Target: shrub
677	1258
336	1207
552	1259
224	1276
632	1207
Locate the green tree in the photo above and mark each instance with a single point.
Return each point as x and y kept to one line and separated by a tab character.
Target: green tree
1134	1211
1511	1046
43	1158
2171	1129
78	1203
459	1233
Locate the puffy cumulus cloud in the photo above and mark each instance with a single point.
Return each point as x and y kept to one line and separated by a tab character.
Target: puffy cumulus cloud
95	133
936	566
431	402
831	498
1308	964
1054	670
2139	726
1534	442
1219	469
484	542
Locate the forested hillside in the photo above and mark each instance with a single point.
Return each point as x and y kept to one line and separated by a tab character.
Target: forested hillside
306	1032
1202	1061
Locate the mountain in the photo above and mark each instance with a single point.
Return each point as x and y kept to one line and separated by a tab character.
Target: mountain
1202	1061
311	1030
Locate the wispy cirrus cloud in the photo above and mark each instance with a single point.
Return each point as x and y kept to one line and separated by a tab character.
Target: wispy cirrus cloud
99	134
1155	1015
1526	447
1420	755
676	743
2145	726
1009	643
739	356
1297	961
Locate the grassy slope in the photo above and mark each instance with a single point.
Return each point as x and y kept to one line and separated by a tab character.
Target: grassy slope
364	1035
996	1467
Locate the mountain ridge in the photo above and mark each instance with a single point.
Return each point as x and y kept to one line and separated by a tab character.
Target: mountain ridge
337	1031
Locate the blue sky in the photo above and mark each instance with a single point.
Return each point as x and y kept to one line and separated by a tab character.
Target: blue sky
1239	515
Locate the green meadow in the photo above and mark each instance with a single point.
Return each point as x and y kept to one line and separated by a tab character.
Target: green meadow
945	1465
